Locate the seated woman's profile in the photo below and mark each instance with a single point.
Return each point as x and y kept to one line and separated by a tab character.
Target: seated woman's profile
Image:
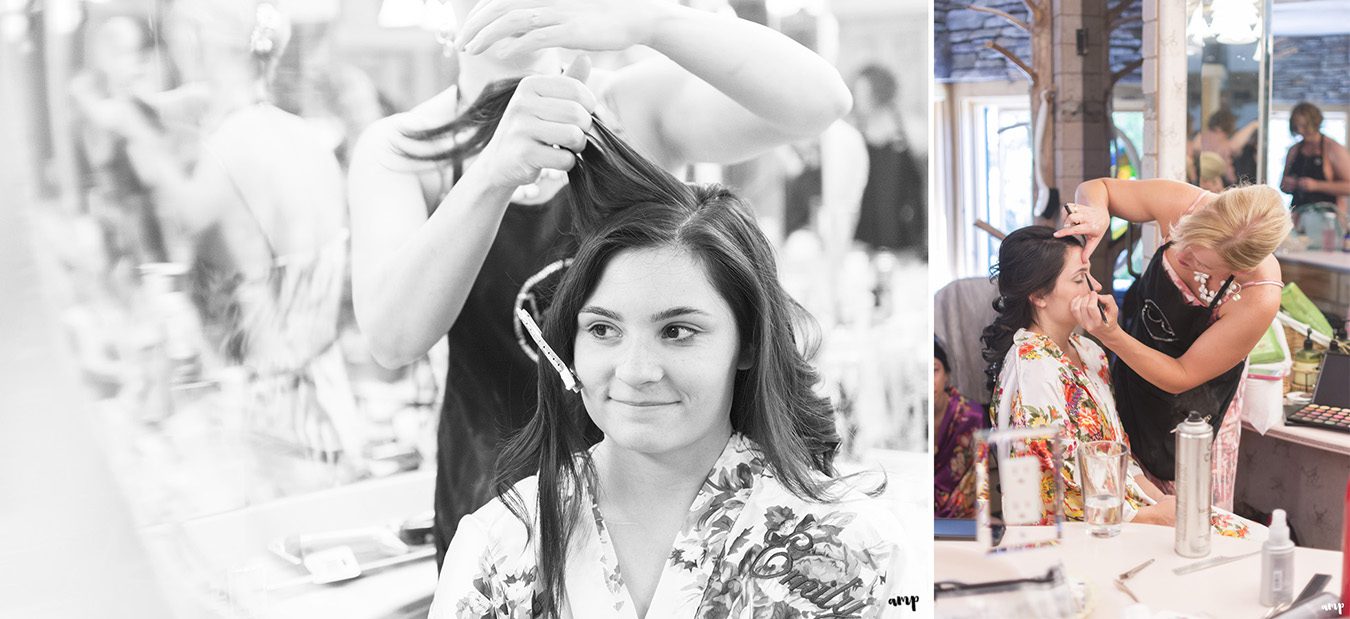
693	475
1042	372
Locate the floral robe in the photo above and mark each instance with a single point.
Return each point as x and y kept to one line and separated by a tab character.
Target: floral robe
954	458
1039	386
748	548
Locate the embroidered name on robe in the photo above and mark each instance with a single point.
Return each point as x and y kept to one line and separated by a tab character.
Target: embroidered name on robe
776	561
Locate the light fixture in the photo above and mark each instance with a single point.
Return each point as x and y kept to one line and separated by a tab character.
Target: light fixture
400	14
1234	22
1197	30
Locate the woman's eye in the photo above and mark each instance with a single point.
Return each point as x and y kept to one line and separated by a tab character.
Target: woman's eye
677	332
602	331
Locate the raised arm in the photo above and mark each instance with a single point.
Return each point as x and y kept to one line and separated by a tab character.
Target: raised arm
411	273
1097	200
727	89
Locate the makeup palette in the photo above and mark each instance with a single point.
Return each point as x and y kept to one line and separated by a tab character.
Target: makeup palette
1330	406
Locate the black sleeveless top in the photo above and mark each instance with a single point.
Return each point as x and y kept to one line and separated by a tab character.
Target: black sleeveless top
893	213
1157	314
490	387
1309	166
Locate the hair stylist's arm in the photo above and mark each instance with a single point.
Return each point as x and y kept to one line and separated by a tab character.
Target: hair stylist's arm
727	89
411	274
1095	201
1225	344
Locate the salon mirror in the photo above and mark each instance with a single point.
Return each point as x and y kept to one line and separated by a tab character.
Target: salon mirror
1309	61
1227	67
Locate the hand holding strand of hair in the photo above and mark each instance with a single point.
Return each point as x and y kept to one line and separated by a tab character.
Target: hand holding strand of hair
544	125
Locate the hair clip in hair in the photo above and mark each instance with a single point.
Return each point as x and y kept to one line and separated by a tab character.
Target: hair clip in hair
568	378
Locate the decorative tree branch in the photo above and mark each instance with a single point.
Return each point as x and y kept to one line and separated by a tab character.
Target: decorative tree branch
1035	9
1116	11
1031	74
1116	76
1004	14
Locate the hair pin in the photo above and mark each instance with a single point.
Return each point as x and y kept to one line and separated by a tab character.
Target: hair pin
568	378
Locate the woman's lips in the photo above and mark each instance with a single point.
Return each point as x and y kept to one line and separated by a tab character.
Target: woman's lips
642	403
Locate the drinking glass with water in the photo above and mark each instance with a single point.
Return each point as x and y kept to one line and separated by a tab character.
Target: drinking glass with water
1102	466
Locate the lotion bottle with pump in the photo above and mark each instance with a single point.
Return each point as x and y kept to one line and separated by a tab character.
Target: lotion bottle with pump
1277	563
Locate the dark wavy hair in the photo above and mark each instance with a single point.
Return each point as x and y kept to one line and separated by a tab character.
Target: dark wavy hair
1029	262
622	201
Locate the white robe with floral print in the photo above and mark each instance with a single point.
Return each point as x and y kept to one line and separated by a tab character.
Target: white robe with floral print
748	548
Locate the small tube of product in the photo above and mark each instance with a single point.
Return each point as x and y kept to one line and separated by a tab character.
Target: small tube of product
569	379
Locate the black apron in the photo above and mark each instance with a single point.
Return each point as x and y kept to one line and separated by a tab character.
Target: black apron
491	384
1157	314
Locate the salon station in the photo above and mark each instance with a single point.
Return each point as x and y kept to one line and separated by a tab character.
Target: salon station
1064	115
173	450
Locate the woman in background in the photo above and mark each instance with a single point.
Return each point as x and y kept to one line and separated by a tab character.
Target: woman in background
1317	168
955	419
893	213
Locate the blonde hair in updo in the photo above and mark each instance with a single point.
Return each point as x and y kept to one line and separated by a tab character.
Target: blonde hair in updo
1243	225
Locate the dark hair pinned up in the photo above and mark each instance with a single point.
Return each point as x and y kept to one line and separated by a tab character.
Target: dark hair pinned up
1029	262
622	201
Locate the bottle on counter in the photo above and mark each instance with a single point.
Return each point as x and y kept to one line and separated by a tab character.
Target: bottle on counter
1277	563
1194	439
1303	375
1345	242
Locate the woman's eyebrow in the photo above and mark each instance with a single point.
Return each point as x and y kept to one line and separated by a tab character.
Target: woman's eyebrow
677	311
600	311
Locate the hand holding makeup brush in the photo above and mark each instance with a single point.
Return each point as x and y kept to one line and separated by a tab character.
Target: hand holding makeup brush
1096	313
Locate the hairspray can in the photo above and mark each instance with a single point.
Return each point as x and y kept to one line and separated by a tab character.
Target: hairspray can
1194	438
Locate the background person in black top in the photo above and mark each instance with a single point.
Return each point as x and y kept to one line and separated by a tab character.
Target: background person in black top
1317	168
427	262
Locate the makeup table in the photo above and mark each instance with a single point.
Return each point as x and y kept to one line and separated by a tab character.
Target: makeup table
1230	590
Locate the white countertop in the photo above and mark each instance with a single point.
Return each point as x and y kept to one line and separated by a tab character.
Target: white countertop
1230	590
1334	260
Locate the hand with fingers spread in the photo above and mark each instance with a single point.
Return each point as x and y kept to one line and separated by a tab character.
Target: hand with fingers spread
543	127
1091	221
507	28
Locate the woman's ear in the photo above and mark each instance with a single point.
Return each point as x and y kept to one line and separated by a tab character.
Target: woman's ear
1037	300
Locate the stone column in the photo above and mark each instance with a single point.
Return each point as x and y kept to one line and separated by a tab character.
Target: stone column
1082	82
1164	86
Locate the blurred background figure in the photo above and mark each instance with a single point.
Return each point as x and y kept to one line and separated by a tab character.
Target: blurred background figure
1222	137
893	212
955	421
1316	171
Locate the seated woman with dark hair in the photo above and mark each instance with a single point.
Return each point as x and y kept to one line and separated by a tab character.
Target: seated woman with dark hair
693	474
955	421
1044	373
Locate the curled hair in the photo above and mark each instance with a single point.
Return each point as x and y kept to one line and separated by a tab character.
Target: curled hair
1243	225
621	201
1029	261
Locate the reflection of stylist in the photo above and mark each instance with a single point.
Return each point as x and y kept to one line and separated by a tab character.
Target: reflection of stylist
1192	317
1317	169
455	246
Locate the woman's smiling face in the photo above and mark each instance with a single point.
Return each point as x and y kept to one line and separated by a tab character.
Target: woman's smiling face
657	349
